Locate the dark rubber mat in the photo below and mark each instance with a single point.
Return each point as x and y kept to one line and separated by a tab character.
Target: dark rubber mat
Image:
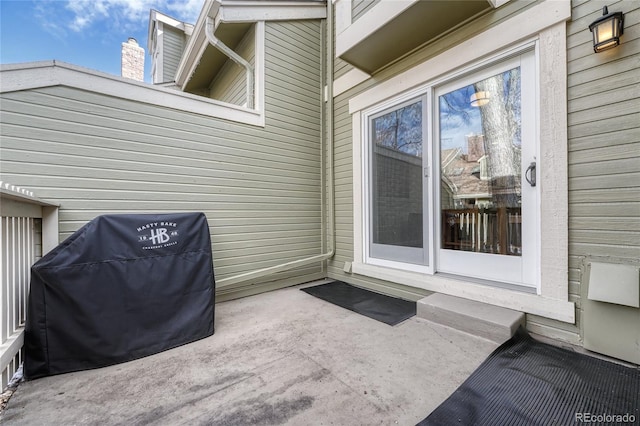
526	382
387	309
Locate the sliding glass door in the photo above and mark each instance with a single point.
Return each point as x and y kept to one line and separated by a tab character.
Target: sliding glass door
477	215
488	194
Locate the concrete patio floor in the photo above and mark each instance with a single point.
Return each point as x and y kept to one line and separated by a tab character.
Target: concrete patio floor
282	357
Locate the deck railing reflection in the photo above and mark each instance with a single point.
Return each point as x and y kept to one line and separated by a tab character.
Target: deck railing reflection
490	230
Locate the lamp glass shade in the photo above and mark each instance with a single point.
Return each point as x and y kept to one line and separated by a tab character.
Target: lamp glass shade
479	98
606	31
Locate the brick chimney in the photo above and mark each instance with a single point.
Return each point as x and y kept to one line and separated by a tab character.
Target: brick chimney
132	65
475	147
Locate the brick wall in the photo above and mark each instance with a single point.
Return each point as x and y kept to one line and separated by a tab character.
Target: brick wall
132	65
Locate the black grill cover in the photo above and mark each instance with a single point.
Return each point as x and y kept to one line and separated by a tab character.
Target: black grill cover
120	288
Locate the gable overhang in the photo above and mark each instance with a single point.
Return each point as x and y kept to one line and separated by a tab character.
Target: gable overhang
157	19
211	59
201	62
391	30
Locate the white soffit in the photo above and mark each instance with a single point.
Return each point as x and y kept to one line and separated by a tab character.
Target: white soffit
519	28
391	29
253	11
238	11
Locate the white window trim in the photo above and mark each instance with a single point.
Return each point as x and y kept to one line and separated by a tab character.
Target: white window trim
424	96
545	24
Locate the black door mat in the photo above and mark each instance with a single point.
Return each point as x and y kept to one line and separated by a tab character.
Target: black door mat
387	309
526	382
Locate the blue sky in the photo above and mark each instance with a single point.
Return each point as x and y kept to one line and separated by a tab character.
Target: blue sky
88	33
458	119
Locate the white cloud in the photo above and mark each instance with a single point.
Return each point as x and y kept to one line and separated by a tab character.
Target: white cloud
186	10
126	13
43	14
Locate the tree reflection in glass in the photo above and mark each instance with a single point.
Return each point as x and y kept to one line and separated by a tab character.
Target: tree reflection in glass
396	191
480	166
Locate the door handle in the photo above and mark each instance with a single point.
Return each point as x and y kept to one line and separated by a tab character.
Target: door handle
530	174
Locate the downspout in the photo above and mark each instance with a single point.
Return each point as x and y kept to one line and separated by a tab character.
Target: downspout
328	137
218	44
328	140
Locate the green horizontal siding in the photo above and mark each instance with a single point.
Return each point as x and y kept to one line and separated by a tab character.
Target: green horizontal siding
259	187
173	42
604	142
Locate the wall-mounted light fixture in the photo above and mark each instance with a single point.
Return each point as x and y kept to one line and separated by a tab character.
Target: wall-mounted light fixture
607	30
479	98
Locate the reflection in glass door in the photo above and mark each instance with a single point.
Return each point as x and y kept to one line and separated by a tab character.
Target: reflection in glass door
482	196
396	197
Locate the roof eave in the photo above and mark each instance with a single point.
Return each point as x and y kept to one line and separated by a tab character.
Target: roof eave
238	11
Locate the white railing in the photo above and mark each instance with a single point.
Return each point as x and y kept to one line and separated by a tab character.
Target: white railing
20	244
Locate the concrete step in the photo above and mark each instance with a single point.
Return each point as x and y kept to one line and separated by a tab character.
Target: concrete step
480	319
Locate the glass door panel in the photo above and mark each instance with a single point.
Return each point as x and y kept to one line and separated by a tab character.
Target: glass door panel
396	184
481	177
